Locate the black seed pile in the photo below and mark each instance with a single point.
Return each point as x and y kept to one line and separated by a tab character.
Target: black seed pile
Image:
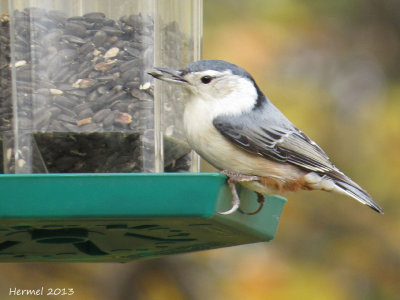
82	94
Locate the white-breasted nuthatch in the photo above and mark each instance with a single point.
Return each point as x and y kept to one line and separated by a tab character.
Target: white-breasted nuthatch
231	123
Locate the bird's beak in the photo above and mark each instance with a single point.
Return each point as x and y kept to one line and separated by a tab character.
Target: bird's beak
168	75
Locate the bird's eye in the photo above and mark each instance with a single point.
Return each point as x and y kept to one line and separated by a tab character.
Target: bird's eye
206	79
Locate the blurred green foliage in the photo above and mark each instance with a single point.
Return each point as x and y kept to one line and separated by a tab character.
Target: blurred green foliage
333	67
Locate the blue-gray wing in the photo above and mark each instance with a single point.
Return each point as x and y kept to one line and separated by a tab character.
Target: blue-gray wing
267	132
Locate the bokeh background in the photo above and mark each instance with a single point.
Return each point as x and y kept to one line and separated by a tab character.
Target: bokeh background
333	67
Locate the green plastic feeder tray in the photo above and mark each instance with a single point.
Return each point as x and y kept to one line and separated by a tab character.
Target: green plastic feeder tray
123	217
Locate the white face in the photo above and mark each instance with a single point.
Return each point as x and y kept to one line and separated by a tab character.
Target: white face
224	92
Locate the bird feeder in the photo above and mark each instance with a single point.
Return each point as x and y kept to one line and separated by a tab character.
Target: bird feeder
75	93
91	145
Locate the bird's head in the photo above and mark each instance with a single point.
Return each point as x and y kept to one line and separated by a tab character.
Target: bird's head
216	82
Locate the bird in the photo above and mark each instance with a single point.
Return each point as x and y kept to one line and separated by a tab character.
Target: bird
233	125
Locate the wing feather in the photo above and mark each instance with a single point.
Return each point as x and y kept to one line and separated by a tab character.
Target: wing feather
281	142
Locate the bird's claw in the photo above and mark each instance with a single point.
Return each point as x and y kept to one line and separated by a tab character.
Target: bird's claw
235	207
235	197
233	178
261	201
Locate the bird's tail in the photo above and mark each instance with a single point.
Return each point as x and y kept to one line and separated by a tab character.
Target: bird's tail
345	185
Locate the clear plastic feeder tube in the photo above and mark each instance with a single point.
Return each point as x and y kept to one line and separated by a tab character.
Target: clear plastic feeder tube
75	95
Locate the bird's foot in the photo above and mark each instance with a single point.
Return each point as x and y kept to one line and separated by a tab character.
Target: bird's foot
234	178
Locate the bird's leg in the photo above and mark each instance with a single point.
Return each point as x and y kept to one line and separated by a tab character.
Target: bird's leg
234	178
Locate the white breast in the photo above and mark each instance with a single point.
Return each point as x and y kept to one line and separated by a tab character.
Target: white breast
202	135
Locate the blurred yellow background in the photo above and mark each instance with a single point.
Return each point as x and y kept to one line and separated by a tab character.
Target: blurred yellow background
333	67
